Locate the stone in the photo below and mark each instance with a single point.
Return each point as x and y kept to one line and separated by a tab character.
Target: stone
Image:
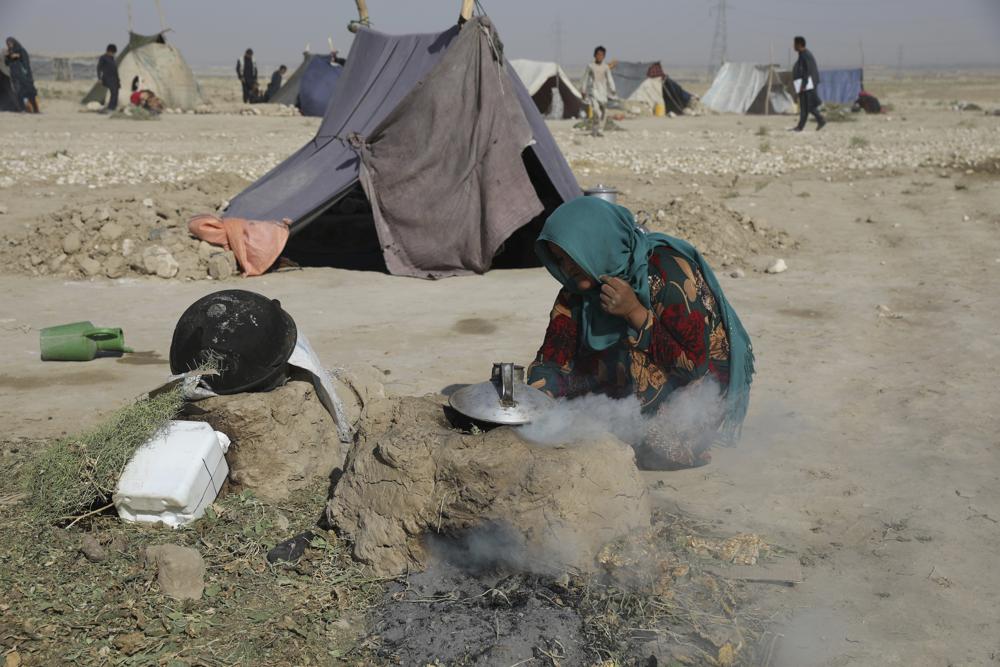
92	549
71	243
415	476
94	106
115	266
206	250
777	266
128	246
157	260
57	261
738	273
282	440
111	231
147	202
90	267
661	215
222	265
103	215
180	570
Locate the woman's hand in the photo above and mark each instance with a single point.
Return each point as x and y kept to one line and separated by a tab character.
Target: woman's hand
618	298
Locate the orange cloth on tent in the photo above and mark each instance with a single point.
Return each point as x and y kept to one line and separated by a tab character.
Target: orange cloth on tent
256	243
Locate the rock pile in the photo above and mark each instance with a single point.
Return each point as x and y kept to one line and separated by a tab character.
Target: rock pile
122	237
721	234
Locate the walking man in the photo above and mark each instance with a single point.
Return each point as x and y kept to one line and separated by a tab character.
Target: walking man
107	74
598	88
806	76
246	72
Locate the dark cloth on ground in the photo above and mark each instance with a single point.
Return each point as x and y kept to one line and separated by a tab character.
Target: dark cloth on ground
675	98
868	103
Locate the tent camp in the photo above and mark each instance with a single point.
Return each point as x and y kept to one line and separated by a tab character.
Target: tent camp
840	86
159	66
8	100
434	162
542	79
743	88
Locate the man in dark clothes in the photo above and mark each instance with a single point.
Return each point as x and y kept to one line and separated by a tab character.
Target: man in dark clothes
807	72
246	72
275	84
107	74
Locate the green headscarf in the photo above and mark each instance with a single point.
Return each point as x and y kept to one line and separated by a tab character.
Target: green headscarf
603	239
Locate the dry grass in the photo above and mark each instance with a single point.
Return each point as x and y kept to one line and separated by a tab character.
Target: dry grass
74	475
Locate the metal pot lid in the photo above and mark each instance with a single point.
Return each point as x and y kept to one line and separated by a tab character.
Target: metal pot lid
599	188
504	399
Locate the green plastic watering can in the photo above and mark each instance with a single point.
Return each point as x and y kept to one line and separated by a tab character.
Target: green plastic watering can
80	341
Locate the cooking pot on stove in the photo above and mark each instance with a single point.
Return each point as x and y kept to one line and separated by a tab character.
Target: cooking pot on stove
505	399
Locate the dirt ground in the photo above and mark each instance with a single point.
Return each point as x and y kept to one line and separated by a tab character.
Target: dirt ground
871	446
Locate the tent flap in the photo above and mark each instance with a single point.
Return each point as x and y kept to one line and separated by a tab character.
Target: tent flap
466	170
840	86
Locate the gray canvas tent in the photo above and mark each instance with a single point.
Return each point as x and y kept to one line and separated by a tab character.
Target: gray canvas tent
160	67
550	87
743	88
434	162
629	76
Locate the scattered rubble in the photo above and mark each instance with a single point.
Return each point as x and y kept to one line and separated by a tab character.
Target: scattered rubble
180	570
125	236
777	266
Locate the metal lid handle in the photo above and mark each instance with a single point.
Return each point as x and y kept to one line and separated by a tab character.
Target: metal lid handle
507	384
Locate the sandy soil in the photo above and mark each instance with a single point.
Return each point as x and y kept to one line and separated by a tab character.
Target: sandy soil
870	448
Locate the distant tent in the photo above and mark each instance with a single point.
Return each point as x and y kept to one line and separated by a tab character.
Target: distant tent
541	78
289	91
630	76
840	86
160	67
742	88
318	83
434	162
8	100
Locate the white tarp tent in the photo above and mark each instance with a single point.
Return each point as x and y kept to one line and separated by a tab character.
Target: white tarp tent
540	78
742	88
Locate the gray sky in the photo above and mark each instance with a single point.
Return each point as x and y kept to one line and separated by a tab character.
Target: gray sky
677	32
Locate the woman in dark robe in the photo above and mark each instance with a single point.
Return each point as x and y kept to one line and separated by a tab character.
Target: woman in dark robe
17	60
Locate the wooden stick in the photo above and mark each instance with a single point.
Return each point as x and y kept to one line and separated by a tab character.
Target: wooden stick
84	516
467	6
770	74
362	11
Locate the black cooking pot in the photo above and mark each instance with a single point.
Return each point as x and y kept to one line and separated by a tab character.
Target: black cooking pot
245	335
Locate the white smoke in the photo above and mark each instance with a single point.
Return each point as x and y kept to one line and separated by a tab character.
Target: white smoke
693	410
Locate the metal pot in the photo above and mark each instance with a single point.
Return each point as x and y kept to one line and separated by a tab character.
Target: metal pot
505	399
608	193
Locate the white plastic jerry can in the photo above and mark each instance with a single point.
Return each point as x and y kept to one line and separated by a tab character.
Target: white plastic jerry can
174	476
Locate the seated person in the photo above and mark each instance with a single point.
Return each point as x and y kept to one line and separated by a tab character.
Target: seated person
144	98
639	314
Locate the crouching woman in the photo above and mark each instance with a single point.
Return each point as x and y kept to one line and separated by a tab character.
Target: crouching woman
641	314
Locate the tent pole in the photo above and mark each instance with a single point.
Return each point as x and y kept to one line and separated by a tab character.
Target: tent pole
128	6
770	78
466	12
159	10
362	16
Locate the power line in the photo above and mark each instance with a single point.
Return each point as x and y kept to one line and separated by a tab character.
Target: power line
719	40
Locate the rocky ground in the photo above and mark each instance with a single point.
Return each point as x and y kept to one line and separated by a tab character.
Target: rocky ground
869	454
